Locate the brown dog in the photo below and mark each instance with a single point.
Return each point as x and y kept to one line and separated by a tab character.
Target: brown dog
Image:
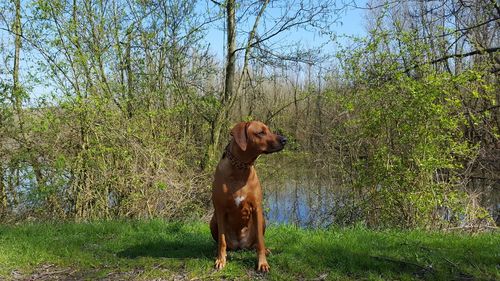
238	220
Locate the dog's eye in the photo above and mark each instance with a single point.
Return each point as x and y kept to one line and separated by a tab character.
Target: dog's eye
261	134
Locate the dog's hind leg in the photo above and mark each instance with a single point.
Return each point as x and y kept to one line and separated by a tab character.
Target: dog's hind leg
213	228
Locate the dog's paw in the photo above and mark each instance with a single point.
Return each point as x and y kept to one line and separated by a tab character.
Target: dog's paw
263	267
220	263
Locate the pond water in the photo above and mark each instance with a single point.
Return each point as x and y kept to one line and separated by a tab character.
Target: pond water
296	203
320	202
302	202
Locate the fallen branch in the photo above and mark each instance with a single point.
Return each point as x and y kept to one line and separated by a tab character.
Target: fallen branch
472	228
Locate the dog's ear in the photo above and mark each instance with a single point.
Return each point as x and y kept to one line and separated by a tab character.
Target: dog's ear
239	133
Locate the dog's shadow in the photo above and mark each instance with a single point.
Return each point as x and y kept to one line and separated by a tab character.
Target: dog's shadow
181	246
189	248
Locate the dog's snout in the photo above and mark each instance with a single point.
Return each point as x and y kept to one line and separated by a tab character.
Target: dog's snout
283	140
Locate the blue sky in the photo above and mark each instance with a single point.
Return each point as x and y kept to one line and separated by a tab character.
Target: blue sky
351	23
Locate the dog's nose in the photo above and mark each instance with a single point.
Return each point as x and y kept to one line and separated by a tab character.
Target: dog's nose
283	140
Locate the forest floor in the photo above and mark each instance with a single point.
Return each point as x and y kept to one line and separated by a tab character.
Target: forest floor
158	250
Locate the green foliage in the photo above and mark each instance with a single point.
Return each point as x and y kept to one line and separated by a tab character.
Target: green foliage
412	149
5	109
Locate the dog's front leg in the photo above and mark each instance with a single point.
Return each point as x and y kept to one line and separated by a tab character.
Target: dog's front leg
262	264
220	262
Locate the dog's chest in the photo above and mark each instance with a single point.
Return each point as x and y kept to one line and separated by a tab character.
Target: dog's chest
238	199
241	199
242	206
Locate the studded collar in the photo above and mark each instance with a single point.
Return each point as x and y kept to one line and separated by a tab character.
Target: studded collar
237	163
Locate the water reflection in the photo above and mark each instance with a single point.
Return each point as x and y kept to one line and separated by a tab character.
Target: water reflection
306	203
319	202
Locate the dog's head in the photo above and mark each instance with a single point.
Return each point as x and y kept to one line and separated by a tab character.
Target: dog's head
255	137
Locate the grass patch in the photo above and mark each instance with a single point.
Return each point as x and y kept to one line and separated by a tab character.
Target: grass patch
146	250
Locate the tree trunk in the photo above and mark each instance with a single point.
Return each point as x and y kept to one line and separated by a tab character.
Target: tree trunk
227	100
130	81
231	54
16	91
16	88
3	194
17	52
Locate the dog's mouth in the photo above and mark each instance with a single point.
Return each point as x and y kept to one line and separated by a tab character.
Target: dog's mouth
274	149
276	145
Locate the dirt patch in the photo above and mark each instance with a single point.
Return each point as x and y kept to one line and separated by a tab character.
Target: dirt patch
51	272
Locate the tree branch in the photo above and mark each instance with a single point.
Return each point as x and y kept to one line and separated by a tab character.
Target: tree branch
285	106
216	3
251	37
463	55
289	23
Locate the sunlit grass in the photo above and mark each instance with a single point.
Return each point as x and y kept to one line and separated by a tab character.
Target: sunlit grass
147	250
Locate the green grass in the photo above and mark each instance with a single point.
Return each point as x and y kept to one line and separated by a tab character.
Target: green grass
146	250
